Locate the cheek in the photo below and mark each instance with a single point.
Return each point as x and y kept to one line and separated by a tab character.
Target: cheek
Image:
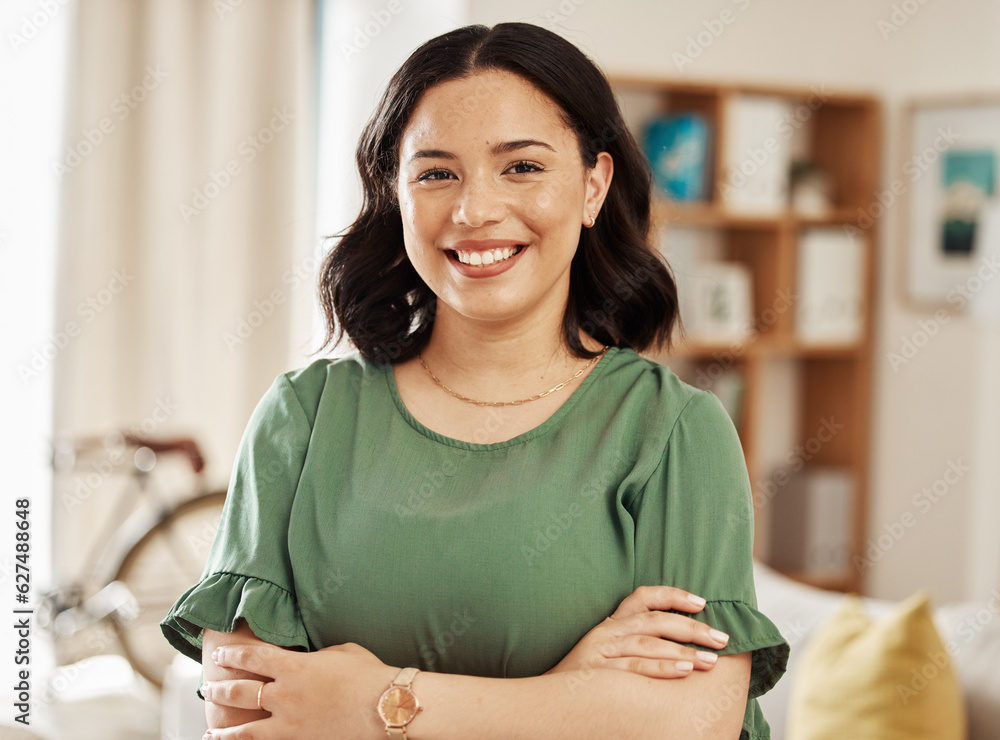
544	202
407	210
408	216
554	204
421	214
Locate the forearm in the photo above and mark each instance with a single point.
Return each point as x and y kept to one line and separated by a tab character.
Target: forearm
584	704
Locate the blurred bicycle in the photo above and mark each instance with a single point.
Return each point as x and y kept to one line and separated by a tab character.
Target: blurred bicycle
153	547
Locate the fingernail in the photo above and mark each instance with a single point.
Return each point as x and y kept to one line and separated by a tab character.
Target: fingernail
696	600
685	665
207	736
719	636
215	656
705	657
206	691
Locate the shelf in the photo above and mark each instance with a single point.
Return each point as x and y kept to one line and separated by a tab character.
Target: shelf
765	347
843	582
709	214
831	98
798	406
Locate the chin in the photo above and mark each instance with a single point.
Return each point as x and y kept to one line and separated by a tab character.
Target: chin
489	314
505	303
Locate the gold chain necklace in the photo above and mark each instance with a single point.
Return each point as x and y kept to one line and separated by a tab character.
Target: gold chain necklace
562	385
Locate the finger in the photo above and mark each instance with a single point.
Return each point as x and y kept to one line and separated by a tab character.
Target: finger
258	730
651	667
658	598
654	648
240	693
259	658
675	627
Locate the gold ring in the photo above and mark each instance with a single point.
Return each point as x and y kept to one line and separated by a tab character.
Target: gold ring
259	692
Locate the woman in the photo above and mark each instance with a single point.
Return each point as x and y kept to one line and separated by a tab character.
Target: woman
496	490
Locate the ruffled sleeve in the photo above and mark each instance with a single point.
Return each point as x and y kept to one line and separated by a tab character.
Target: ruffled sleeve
694	530
248	574
749	632
220	599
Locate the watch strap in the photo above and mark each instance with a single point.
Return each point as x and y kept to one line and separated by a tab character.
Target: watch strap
405	677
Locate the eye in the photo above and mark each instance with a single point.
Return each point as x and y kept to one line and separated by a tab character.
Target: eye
432	175
525	168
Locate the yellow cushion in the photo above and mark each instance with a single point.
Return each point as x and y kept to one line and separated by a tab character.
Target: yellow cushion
889	679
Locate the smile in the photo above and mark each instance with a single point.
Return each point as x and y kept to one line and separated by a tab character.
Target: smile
487	257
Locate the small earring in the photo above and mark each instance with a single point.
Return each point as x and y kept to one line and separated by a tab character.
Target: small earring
593	220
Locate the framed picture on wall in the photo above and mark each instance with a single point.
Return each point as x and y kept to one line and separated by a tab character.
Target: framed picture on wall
951	177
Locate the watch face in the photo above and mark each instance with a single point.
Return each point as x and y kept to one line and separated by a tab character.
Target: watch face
397	706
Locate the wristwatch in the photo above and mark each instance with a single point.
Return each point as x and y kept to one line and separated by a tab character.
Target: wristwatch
398	705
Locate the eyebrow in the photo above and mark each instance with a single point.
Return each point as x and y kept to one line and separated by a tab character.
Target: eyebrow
505	147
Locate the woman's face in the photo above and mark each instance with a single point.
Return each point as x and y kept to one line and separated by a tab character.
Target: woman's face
493	194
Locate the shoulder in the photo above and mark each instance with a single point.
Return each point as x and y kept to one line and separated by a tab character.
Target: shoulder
690	460
340	378
654	395
630	370
668	419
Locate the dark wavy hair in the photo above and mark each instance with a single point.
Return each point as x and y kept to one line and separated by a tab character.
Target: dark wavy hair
621	290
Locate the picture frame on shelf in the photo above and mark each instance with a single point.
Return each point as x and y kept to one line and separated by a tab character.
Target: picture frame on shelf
951	181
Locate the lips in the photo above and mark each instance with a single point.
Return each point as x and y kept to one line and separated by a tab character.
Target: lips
485	258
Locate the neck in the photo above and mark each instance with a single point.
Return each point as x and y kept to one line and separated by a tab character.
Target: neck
500	360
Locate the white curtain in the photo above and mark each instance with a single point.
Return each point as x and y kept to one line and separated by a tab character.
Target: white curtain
186	238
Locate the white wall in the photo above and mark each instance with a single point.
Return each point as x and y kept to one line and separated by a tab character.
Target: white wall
936	409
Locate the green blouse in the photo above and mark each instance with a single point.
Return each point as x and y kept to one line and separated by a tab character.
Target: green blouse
348	520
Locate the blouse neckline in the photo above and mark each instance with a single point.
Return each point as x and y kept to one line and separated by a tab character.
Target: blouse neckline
538	431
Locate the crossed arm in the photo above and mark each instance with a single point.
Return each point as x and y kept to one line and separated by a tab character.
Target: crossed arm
615	683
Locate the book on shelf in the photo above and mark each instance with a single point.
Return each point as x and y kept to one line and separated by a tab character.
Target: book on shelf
811	522
756	155
829	282
677	146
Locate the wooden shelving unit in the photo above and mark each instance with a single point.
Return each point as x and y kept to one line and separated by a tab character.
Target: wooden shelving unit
789	386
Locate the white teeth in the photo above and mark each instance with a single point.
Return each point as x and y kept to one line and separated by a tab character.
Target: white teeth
478	259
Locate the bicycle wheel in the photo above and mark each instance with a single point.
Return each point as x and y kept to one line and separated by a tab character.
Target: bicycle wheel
161	566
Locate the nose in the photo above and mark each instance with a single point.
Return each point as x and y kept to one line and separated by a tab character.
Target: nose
479	203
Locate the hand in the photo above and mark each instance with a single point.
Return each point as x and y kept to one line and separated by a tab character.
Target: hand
327	693
640	637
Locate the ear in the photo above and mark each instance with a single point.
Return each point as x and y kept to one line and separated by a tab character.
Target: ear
597	184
